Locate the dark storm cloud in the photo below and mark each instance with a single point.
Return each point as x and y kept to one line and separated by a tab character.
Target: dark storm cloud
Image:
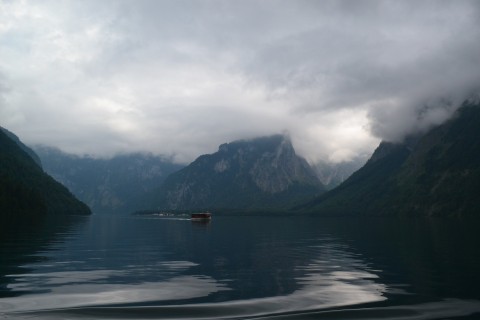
393	58
181	77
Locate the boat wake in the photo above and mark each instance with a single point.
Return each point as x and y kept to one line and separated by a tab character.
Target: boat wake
256	309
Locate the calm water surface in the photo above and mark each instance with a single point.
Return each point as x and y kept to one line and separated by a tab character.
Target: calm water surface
266	267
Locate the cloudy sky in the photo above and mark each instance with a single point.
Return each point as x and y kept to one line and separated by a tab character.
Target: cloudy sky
181	77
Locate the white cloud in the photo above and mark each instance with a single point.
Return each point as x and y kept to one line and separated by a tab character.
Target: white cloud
182	77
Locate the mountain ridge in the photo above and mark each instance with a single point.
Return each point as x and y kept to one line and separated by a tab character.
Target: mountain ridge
433	174
23	146
260	173
121	184
26	190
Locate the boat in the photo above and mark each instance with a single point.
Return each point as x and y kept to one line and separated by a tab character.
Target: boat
201	216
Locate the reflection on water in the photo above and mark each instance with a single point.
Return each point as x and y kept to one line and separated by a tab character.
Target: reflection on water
92	294
237	267
324	284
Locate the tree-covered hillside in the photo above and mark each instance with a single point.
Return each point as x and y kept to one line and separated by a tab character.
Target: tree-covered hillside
434	174
26	190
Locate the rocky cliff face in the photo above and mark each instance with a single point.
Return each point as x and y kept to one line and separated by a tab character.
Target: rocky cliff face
435	174
249	174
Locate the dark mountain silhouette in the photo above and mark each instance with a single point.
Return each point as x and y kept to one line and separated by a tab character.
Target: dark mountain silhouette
433	174
26	190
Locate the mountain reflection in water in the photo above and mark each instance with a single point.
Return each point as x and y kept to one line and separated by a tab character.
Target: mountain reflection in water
118	267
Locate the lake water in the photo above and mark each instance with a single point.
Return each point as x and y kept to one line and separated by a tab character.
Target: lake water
240	267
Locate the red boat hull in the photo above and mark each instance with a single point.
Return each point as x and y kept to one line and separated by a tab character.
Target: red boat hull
201	216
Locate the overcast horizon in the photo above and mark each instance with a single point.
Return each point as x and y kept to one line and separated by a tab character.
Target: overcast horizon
179	78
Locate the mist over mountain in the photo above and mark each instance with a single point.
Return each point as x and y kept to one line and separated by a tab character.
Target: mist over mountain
333	174
432	174
262	173
25	190
119	184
